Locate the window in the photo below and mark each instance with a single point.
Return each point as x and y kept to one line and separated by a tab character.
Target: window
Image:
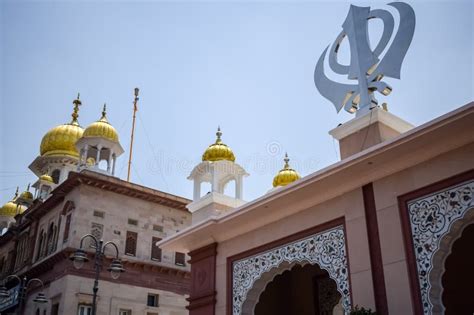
99	214
55	309
84	309
2	264
125	312
157	228
10	263
133	222
153	300
155	250
50	239
44	192
22	251
66	228
55	175
131	243
179	259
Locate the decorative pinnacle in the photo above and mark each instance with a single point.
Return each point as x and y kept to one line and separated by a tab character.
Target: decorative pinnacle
104	112
16	192
28	187
287	160
218	134
75	114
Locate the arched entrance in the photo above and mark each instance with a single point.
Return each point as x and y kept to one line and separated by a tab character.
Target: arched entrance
458	277
302	290
325	249
436	217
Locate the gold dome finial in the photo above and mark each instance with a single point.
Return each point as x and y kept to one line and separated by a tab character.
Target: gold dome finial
102	128
27	196
219	135
287	175
104	113
61	139
218	151
75	114
287	161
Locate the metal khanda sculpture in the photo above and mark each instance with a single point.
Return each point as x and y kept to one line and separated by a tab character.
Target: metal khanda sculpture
365	65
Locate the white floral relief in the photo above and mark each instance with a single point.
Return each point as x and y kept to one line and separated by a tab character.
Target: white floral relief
431	218
326	249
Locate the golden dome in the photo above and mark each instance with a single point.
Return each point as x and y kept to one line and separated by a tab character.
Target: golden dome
27	195
90	161
218	151
102	128
61	139
47	178
286	175
11	209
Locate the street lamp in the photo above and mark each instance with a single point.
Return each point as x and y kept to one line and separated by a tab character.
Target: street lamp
79	258
24	285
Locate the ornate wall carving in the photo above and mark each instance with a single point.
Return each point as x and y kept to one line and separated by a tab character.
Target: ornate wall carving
431	219
326	249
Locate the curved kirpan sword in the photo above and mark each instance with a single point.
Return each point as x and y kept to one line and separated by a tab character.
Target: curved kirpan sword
365	65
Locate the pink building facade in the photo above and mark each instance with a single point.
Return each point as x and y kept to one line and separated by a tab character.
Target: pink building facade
384	228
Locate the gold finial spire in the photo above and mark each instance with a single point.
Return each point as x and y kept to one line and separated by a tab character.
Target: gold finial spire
104	113
75	114
287	160
28	187
16	192
218	134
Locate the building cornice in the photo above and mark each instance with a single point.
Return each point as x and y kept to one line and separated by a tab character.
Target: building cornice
58	265
107	183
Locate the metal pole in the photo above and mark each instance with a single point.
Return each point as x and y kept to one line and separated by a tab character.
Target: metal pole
98	267
135	108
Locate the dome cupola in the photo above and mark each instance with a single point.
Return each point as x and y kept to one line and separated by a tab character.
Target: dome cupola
218	151
26	197
102	128
99	146
11	208
285	176
61	139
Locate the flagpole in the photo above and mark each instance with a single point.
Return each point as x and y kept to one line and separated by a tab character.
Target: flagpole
135	108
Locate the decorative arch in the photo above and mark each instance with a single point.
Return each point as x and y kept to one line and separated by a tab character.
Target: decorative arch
50	238
255	294
39	253
439	259
68	206
326	249
436	220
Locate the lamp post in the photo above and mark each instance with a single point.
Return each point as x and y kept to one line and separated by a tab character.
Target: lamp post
80	257
24	285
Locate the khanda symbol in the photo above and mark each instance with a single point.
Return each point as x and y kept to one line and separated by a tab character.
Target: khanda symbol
365	65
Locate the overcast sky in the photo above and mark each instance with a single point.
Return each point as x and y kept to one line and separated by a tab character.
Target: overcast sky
246	66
